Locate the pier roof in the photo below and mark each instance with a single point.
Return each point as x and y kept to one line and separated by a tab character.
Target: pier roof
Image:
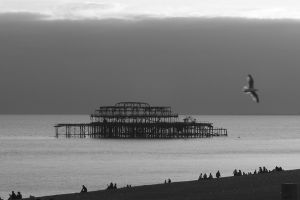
134	110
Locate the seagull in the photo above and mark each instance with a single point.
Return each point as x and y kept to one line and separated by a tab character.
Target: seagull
250	89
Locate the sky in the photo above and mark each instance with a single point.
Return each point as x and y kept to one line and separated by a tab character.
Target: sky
136	9
70	57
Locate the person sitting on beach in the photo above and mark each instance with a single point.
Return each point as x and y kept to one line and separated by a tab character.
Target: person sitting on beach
200	177
265	170
218	174
278	169
111	186
240	173
169	180
235	172
210	176
19	195
12	195
84	189
204	176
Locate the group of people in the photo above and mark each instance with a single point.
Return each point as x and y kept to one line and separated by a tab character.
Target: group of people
208	177
14	196
261	170
112	186
167	181
236	172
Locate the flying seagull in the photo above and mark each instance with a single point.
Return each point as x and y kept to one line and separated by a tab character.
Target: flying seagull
250	89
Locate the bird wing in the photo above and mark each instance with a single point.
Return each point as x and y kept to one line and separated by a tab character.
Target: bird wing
250	81
254	97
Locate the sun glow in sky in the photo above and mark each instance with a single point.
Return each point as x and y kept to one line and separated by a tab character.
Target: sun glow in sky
136	9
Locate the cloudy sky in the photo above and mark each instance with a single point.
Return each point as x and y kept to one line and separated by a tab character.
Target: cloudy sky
130	9
71	56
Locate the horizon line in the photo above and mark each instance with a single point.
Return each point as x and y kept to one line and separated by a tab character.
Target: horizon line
40	16
291	114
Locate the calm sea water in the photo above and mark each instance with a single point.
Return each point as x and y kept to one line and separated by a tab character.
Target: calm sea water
34	162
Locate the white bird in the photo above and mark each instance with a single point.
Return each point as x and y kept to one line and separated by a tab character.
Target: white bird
250	89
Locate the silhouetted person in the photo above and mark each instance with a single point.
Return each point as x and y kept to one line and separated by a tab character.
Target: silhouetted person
200	177
13	195
255	172
204	176
84	189
265	170
218	175
115	186
210	176
165	181
240	173
111	186
169	180
19	195
235	173
280	169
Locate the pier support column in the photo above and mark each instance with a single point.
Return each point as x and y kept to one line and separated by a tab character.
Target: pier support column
56	132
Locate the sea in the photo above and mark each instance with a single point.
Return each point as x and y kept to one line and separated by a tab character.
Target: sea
35	162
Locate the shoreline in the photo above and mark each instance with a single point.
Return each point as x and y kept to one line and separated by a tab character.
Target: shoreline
259	187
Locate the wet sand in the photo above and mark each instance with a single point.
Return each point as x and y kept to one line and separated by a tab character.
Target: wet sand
257	187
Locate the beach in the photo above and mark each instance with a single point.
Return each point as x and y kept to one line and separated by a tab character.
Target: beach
247	187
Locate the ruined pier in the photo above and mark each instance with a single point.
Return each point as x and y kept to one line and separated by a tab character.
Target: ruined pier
138	120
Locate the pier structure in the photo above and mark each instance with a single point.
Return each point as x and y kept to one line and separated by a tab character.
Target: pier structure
138	120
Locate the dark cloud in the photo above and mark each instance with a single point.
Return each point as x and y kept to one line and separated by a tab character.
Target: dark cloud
194	65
